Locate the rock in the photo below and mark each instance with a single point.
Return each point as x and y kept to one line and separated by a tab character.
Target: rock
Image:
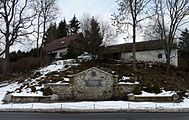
54	97
8	98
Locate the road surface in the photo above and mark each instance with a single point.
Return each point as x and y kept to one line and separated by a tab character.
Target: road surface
93	116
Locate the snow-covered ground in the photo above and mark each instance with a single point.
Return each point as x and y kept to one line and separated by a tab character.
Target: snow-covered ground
98	105
163	93
128	83
61	66
87	105
7	87
14	87
58	66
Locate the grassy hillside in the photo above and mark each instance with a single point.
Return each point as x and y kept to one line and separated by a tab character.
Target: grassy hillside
146	74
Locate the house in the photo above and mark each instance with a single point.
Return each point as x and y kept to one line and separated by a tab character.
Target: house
91	84
146	51
58	48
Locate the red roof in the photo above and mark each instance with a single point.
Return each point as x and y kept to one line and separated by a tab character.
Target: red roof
62	42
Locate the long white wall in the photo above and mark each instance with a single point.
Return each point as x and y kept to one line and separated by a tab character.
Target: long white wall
151	56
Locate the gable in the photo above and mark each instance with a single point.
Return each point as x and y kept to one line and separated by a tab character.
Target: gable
91	71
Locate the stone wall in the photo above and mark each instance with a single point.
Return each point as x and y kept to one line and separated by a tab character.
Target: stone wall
103	91
139	98
91	84
64	91
26	99
121	90
67	93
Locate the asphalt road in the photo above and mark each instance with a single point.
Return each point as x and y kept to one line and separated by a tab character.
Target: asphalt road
94	116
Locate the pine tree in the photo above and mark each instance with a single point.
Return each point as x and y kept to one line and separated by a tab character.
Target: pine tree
50	34
62	30
184	50
74	25
93	37
184	41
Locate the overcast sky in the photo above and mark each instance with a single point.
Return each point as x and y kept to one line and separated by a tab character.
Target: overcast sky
67	8
100	8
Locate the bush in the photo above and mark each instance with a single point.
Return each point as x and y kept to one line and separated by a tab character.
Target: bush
153	87
137	90
182	94
149	86
156	88
24	65
33	89
47	91
72	53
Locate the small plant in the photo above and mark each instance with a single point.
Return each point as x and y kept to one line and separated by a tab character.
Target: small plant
137	90
156	88
149	86
182	94
33	89
47	91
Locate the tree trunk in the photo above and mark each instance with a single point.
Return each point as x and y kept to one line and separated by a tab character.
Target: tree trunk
38	36
6	62
168	59
43	42
134	46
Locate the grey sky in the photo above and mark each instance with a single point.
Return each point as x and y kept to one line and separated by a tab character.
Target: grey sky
100	8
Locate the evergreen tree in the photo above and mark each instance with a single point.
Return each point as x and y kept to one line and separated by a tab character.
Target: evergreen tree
93	37
62	30
184	41
74	25
51	33
184	49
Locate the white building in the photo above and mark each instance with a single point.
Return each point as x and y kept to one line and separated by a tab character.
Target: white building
58	48
146	51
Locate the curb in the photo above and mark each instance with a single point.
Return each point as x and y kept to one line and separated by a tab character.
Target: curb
97	110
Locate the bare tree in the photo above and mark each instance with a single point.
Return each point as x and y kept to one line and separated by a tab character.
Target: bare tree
15	19
46	11
85	22
131	12
170	16
108	33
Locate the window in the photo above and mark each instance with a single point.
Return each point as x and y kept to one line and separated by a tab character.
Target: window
93	73
160	55
61	54
93	83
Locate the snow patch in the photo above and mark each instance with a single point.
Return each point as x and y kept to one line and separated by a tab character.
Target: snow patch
66	79
163	93
38	93
128	83
125	78
8	87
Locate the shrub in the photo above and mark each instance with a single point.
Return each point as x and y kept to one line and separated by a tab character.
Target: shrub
24	64
33	89
137	90
156	88
149	86
182	94
72	53
47	91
